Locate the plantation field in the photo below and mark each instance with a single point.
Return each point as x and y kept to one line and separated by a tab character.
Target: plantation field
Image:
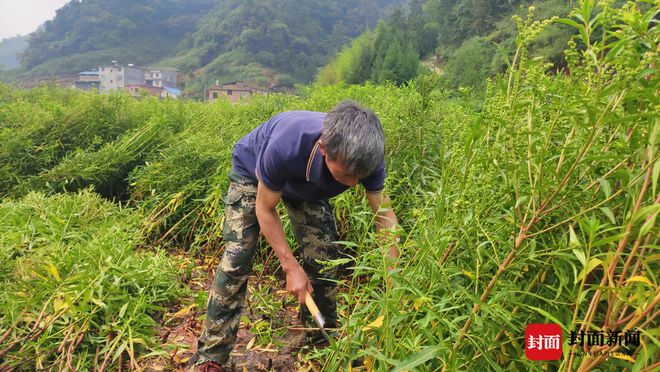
535	204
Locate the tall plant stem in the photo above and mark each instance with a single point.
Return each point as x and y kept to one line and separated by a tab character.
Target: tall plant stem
591	310
589	363
613	304
477	306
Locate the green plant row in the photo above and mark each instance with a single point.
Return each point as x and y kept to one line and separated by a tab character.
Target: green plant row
77	293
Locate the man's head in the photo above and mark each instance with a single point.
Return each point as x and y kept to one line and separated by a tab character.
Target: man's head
352	142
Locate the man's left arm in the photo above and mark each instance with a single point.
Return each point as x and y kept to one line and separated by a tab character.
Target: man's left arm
386	221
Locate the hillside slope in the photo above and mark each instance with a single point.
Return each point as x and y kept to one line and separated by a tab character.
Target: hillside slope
293	37
84	34
259	40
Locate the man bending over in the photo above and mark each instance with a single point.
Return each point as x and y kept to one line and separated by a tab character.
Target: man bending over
303	158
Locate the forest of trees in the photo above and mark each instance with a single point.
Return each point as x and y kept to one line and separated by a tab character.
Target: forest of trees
86	33
291	39
267	42
264	41
471	39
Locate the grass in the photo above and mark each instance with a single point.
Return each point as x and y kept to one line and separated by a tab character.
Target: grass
77	292
538	205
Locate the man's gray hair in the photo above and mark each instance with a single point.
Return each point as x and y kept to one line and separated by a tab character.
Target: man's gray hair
354	136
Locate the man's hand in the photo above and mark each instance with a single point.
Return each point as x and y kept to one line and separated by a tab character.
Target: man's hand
385	221
298	283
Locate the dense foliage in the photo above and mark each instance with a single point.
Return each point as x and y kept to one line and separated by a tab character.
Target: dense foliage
540	207
223	40
468	39
86	33
74	286
281	43
291	39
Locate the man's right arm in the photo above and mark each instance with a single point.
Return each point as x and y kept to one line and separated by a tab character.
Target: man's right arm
297	281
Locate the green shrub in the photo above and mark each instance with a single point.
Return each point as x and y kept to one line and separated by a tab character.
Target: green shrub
74	284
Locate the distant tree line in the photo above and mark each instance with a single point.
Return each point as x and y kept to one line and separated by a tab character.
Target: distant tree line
262	41
143	30
293	38
471	39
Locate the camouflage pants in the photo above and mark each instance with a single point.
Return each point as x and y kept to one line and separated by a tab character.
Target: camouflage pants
315	231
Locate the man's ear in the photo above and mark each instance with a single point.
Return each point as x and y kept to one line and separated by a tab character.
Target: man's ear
322	148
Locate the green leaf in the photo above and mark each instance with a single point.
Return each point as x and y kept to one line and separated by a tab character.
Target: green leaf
418	358
656	172
646	211
646	227
378	355
573	239
120	350
346	243
580	256
53	271
521	200
653	138
546	314
605	186
640	279
569	22
593	263
608	212
646	72
122	311
587	5
99	303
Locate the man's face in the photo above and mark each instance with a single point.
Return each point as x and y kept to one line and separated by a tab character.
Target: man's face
338	170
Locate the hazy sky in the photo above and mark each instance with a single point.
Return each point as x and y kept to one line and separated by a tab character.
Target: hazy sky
24	16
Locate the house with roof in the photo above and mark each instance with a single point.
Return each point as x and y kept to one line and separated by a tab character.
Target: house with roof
161	77
116	77
157	82
88	80
150	90
233	91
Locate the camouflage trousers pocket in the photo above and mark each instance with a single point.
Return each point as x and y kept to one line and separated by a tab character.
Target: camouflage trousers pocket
233	195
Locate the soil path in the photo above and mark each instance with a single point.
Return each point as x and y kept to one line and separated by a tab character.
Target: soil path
269	338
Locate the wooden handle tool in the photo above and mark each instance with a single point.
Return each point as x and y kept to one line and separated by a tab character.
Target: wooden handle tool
316	314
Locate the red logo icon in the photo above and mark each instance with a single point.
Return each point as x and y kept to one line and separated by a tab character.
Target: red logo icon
543	341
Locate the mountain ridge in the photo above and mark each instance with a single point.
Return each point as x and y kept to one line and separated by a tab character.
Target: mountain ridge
259	40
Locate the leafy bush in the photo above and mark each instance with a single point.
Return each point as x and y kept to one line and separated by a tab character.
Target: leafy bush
540	209
75	289
469	66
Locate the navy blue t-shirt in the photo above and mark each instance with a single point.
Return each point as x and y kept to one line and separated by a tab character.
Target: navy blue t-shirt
283	153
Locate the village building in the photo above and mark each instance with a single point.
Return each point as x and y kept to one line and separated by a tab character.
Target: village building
161	77
116	77
88	80
150	90
233	91
139	90
159	82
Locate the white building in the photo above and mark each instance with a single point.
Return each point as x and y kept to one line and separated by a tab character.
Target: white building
161	77
116	77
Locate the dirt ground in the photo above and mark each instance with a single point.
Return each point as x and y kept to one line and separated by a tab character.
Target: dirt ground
181	326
